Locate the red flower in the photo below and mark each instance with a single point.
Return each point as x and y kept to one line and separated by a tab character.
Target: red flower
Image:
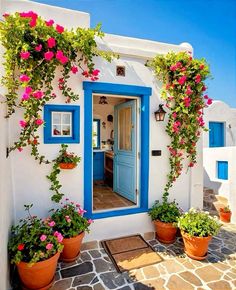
204	88
202	66
197	78
209	101
95	72
182	80
51	42
74	69
49	22
59	28
21	247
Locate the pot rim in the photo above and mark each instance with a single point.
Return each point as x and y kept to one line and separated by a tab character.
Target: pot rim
183	233
40	263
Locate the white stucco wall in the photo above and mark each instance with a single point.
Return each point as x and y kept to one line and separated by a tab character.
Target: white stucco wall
28	178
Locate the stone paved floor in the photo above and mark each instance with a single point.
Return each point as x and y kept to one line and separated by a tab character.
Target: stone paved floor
94	270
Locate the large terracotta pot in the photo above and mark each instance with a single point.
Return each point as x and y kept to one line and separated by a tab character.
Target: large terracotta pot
67	165
196	247
40	276
225	216
165	232
71	248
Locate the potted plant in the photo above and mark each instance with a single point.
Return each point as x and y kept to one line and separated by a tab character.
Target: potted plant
35	250
67	160
165	216
197	228
225	214
70	221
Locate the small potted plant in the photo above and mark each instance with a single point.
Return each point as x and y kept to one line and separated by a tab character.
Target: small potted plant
225	214
35	250
164	216
67	160
70	221
197	228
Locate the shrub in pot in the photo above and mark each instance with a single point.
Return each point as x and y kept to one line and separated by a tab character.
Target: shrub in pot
225	214
165	216
67	160
70	221
35	250
197	228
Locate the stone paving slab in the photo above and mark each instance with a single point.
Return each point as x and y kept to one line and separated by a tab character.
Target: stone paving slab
93	270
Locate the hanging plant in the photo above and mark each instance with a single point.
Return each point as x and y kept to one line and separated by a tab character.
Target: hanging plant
184	93
34	49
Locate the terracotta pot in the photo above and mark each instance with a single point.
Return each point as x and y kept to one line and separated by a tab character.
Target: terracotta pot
67	165
196	247
165	232
225	216
40	276
71	248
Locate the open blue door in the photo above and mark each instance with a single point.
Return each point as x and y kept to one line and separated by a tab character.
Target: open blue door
125	150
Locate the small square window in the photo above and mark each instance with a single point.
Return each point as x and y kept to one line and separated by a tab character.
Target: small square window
61	124
222	170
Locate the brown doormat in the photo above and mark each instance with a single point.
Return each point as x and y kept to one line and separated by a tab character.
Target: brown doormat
130	252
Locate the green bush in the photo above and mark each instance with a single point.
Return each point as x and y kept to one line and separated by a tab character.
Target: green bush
167	212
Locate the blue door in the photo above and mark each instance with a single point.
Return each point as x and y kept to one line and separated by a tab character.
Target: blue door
125	150
216	134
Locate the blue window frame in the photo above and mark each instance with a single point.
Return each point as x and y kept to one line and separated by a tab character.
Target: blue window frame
144	94
96	133
222	170
216	134
62	123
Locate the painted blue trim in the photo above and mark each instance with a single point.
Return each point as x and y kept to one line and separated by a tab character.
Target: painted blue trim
216	134
48	138
222	170
99	133
107	88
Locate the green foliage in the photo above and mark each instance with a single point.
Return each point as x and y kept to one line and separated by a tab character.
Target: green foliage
183	91
167	212
198	223
69	219
64	157
225	209
26	243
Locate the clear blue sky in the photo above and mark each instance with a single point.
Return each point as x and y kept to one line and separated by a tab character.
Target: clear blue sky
209	25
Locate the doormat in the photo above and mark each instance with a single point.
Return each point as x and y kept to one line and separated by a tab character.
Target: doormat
132	252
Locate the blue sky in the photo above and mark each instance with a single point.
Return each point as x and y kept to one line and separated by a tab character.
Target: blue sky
209	25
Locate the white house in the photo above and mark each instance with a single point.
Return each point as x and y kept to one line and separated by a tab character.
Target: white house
128	167
219	152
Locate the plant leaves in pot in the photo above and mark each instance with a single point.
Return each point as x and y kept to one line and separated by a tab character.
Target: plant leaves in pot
197	228
225	214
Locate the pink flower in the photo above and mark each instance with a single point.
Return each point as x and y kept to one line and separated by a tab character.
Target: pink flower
187	101
85	73
182	141
77	205
22	123
48	55
51	224
179	64
204	88
173	151
63	59
24	78
176	126
6	15
191	164
32	22
189	91
43	238
24	54
38	47
209	101
49	246
28	90
59	238
51	42
67	218
38	95
74	69
59	28
81	211
59	54
200	121
94	78
20	149
90	221
40	122
173	67
174	115
49	22
95	72
182	80
197	78
201	66
56	233
25	97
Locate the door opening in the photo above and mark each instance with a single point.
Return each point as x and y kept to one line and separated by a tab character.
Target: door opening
116	151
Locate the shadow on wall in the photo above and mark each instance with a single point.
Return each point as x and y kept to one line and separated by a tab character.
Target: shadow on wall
207	182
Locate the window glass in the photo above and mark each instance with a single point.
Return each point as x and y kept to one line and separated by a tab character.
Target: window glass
61	124
96	133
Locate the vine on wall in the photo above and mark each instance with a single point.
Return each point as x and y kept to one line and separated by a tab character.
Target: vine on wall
184	92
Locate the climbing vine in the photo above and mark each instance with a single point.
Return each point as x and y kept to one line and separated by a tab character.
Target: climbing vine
34	49
184	93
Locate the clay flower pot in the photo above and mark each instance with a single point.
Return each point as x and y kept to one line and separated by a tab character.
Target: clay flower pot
225	216
71	248
165	232
196	247
67	165
40	276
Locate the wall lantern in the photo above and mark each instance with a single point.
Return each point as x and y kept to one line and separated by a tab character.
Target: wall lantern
103	100
160	113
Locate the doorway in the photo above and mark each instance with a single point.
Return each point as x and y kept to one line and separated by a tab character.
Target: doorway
115	136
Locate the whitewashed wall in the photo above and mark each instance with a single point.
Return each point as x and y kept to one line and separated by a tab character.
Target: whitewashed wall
28	178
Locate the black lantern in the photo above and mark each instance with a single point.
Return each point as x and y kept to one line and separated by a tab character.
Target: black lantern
103	100
160	113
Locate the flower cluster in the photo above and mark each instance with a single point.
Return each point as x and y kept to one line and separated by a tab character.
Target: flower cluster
69	219
184	92
33	240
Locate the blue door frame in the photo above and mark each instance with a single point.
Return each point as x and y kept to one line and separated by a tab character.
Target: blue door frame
118	89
